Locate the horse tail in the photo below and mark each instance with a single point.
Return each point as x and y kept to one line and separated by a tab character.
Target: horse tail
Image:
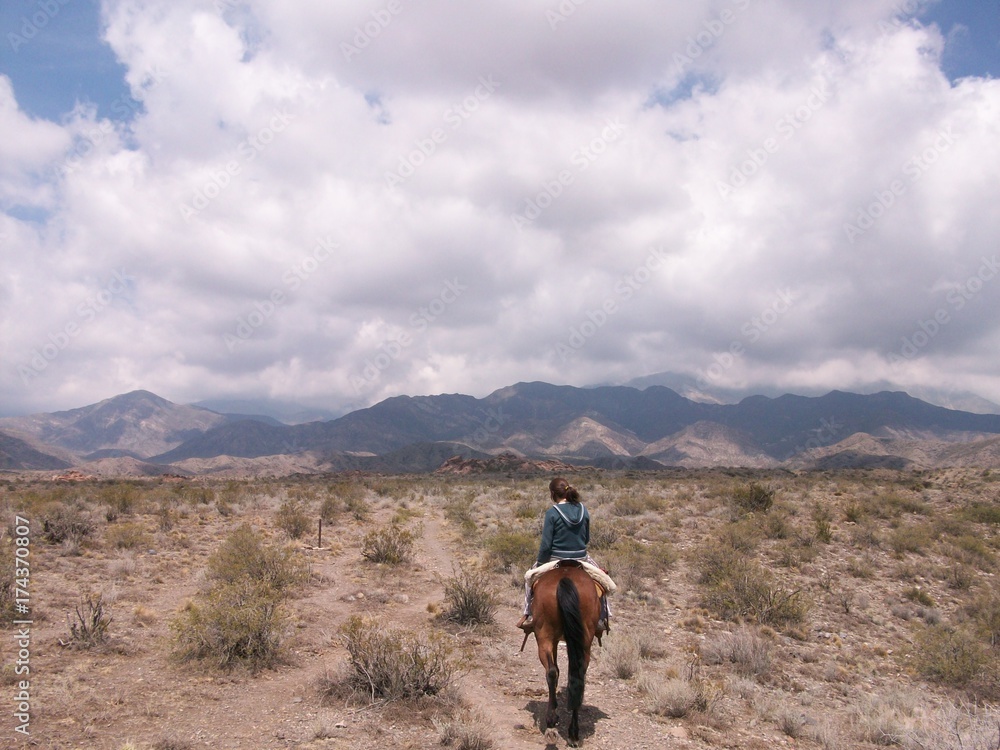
569	608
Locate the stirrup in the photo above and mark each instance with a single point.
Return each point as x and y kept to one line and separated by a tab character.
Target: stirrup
527	624
603	625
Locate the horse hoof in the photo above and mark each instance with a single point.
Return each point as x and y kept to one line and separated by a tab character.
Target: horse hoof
551	736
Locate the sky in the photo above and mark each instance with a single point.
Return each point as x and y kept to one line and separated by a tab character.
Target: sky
335	203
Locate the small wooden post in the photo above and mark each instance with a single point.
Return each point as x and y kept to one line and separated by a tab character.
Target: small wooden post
320	542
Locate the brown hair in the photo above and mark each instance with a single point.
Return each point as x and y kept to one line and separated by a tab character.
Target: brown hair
560	489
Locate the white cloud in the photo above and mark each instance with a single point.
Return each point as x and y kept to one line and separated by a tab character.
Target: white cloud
314	206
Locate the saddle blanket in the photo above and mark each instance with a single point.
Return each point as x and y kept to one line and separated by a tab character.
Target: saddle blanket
600	577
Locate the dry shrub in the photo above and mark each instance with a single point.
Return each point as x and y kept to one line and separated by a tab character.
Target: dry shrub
604	535
391	544
884	719
956	727
673	697
65	523
469	730
791	722
622	657
127	536
471	600
240	623
750	653
90	628
390	664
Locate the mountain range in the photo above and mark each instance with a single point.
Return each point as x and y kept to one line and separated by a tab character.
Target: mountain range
140	433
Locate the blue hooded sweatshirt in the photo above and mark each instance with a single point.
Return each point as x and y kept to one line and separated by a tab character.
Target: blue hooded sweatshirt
565	534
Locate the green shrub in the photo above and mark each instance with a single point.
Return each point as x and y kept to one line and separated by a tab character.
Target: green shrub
471	600
743	536
293	518
823	524
392	545
985	613
915	538
393	664
457	511
919	596
344	497
527	509
8	585
197	494
981	513
244	555
854	512
634	504
753	497
121	499
629	561
740	588
971	550
511	550
952	656
240	623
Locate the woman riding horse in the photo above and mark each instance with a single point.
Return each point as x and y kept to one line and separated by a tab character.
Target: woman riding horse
566	607
565	535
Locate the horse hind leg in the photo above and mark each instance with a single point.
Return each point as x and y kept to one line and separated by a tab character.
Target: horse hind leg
552	676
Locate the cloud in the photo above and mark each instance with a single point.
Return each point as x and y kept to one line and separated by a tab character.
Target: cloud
336	204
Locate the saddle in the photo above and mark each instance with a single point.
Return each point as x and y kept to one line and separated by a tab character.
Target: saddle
601	579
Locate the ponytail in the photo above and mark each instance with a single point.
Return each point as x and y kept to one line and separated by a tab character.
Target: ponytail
563	490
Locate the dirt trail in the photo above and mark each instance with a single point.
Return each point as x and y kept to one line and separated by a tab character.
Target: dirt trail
134	691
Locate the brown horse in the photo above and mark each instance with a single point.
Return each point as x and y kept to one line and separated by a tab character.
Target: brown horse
565	607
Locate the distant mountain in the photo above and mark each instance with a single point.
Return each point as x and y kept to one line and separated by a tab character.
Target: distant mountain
139	424
709	444
283	412
579	424
615	427
710	393
18	455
